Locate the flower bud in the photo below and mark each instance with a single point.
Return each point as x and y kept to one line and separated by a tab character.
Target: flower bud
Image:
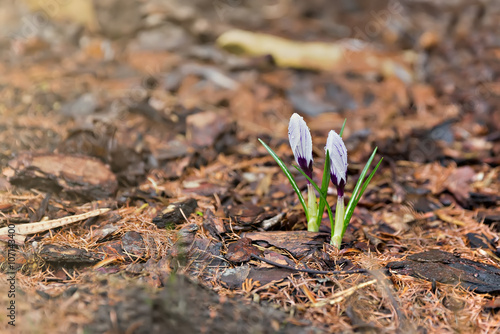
301	143
338	161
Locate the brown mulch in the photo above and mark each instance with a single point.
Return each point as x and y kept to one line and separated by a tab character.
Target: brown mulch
133	107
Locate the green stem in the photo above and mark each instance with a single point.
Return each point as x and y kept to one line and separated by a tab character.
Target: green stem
324	191
323	197
312	208
337	232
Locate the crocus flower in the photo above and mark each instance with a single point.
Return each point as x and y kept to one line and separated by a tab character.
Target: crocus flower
338	161
338	173
301	143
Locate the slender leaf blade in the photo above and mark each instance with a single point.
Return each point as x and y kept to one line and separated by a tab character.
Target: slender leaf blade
351	205
368	179
355	200
356	196
288	175
342	129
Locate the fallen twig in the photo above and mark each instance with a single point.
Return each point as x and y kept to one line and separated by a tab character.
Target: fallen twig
21	231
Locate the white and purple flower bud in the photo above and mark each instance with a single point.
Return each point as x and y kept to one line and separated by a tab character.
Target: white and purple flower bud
301	143
338	161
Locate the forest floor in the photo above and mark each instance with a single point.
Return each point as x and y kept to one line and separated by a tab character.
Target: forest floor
137	124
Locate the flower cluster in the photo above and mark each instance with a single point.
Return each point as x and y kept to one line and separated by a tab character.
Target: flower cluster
335	170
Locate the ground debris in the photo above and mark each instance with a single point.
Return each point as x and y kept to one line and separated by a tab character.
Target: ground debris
80	176
63	255
298	243
443	267
133	244
241	250
21	231
175	213
184	306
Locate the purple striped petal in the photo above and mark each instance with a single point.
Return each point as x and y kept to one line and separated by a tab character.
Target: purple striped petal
338	161
301	143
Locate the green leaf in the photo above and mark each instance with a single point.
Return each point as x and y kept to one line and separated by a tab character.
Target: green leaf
359	189
360	182
342	129
367	181
320	194
288	175
356	200
324	188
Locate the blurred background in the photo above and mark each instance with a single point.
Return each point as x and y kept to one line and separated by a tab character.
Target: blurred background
106	77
